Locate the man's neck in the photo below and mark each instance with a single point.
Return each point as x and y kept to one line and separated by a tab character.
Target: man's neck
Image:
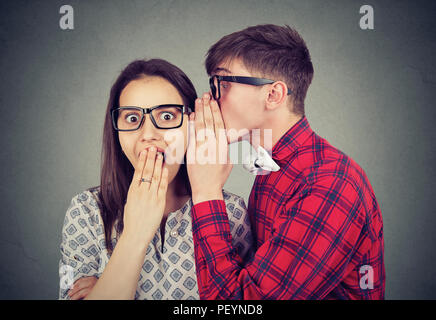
272	131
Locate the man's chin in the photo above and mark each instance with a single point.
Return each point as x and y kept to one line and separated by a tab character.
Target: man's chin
233	140
237	136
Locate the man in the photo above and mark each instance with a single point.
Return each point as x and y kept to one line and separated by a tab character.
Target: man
317	224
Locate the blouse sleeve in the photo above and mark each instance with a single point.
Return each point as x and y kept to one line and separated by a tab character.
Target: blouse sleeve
79	249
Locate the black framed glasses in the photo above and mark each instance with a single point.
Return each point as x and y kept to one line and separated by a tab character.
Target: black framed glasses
164	116
215	83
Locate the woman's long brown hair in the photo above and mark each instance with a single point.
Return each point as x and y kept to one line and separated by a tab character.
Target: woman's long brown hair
116	169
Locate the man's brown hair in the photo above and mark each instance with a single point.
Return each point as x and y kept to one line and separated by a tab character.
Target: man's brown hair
274	52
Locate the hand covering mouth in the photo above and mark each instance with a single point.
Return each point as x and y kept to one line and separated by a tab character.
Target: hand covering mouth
158	150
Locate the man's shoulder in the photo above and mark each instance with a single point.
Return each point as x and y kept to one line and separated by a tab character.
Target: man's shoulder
325	161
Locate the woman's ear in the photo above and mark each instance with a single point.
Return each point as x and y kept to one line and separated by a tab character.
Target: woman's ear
277	94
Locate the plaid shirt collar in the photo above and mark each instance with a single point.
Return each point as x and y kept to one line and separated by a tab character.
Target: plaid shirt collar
288	144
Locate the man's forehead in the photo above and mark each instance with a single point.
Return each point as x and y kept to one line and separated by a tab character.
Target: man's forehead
222	70
232	67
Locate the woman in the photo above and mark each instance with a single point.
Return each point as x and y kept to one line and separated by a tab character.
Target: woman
131	237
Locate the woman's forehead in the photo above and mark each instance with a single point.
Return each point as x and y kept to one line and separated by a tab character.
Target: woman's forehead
149	91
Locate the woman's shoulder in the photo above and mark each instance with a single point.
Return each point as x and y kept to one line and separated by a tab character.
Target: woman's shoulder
88	198
239	223
85	204
234	201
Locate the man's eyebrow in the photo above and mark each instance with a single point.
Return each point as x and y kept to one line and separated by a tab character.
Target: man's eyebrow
222	70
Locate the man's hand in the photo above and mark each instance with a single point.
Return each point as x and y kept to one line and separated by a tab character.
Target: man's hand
208	160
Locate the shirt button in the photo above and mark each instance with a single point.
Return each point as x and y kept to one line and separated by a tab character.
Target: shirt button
174	233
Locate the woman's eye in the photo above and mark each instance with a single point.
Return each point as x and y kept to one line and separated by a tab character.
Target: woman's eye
224	85
166	116
132	118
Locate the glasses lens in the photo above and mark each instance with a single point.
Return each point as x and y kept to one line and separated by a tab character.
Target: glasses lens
168	116
128	118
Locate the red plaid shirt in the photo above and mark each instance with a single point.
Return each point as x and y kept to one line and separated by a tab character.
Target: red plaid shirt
317	225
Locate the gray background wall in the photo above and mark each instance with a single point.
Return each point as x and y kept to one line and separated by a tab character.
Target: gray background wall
372	97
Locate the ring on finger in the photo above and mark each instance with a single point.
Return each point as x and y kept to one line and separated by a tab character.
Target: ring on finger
145	180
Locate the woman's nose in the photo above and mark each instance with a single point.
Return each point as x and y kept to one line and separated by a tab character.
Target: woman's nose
148	130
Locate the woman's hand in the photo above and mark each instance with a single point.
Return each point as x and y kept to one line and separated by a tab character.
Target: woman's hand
82	287
146	199
143	213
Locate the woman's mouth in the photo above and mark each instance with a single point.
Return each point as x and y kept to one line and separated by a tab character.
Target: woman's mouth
158	150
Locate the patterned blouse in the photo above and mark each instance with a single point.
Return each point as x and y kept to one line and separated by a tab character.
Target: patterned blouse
168	271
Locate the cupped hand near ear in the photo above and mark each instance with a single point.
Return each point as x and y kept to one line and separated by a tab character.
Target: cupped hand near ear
208	160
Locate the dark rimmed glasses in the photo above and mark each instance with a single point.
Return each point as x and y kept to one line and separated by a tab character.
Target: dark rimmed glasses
215	83
164	116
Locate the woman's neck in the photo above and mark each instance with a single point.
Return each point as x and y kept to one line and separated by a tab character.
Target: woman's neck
174	201
174	198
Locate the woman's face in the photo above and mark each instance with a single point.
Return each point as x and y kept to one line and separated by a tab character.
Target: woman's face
148	92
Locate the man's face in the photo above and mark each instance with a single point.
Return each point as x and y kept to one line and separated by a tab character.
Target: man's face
241	105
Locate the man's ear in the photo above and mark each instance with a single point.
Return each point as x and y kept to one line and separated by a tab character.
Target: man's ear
277	94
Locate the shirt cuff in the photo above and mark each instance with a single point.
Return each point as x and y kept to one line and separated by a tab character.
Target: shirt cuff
209	218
